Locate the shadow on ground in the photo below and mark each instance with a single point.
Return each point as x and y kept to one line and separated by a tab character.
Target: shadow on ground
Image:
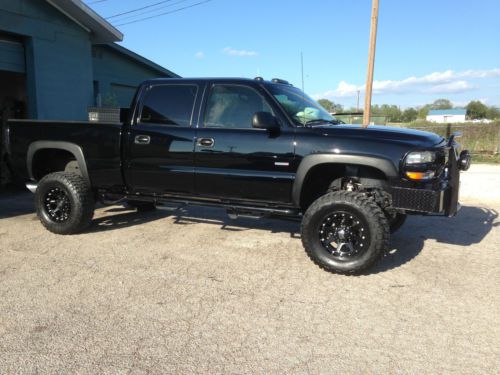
14	202
469	227
122	217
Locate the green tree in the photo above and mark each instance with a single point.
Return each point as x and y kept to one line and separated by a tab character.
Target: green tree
409	115
476	110
442	104
330	106
354	110
392	112
424	111
493	113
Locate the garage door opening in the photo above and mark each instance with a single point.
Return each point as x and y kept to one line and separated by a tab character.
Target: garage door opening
13	77
13	95
12	106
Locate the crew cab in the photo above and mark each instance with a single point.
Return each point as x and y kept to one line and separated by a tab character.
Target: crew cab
251	146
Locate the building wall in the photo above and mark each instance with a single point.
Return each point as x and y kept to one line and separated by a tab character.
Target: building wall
58	59
445	119
116	76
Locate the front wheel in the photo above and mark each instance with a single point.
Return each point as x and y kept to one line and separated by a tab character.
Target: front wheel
345	232
64	203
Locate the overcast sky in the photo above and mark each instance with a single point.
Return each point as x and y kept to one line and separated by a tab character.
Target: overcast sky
425	49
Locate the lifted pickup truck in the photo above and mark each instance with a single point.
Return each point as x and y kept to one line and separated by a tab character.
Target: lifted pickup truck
253	147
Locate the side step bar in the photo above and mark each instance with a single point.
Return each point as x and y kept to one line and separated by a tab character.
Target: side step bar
234	209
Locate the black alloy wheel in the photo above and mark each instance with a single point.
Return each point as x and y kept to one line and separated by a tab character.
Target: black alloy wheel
64	202
345	232
57	205
344	235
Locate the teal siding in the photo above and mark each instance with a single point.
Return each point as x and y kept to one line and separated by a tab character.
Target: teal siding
64	72
58	59
119	75
63	84
123	94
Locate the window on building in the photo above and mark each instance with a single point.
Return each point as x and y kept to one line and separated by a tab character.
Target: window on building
169	105
232	106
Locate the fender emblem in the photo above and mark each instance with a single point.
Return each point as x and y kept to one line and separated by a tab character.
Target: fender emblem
281	164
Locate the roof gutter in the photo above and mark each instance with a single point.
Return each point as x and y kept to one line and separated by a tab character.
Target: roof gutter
100	29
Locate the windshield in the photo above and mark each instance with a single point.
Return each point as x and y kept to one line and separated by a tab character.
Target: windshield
300	107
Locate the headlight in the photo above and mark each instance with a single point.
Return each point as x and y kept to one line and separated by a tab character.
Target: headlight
420	157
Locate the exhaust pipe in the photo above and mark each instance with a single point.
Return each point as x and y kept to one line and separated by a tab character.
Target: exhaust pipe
32	186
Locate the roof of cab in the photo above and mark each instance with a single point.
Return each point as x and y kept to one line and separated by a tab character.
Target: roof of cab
213	79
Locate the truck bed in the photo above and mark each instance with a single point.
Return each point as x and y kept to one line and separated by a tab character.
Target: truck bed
100	143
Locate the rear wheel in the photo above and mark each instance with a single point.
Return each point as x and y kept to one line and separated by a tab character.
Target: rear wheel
64	203
345	232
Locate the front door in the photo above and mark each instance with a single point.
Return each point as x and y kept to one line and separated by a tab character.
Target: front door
161	142
235	160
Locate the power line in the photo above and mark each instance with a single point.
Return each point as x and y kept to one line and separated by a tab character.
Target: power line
150	11
97	1
165	13
138	9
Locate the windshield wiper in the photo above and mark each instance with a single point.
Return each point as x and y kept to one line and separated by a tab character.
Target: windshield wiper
321	121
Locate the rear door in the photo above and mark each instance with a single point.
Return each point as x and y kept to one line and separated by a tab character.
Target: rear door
235	160
160	141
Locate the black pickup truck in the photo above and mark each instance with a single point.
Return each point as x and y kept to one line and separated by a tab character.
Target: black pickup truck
253	147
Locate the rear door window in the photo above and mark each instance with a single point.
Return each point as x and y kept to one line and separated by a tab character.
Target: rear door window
169	105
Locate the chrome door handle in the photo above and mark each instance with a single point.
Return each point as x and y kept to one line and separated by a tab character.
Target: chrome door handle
205	142
142	139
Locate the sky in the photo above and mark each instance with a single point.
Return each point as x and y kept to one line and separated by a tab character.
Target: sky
426	49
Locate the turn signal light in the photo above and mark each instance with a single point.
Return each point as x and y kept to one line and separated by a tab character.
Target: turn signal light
420	175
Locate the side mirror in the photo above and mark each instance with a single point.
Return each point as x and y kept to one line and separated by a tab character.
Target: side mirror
264	120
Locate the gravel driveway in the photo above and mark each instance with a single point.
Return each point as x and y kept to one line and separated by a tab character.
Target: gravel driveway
191	291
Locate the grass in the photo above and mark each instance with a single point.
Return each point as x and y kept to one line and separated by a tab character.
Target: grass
482	140
485	158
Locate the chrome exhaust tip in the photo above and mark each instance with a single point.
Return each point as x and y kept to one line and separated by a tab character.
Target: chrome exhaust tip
31	186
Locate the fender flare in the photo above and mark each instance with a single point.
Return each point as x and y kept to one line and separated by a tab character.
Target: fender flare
310	161
59	145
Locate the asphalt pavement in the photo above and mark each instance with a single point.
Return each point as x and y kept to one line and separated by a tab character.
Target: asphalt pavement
191	291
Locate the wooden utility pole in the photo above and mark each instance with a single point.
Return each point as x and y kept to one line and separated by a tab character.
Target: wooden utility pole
371	64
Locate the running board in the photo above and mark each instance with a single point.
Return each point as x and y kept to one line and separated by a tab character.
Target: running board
234	209
235	214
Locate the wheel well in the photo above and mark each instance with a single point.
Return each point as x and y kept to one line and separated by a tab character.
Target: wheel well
51	160
324	176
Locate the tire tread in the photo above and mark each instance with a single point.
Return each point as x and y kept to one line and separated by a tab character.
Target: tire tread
81	191
373	211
